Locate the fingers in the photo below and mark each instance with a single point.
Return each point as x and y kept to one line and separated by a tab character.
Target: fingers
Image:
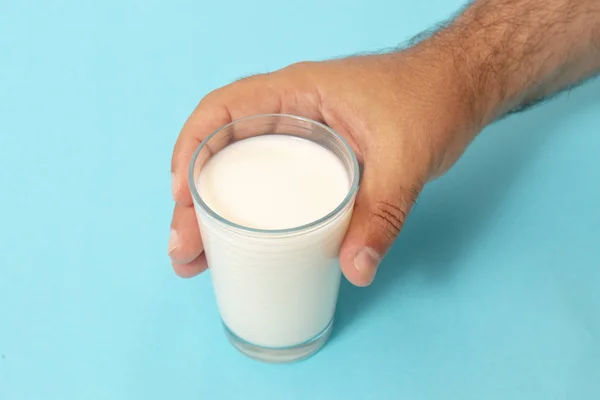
191	269
381	207
254	95
185	244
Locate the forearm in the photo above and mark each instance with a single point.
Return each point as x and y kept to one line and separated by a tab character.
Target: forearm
514	53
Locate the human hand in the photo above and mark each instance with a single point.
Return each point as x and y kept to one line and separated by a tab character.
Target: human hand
407	115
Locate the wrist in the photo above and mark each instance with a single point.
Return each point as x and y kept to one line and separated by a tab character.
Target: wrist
450	76
441	107
478	78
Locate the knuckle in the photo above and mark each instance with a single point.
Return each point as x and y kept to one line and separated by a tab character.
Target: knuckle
301	68
249	78
389	217
212	96
219	96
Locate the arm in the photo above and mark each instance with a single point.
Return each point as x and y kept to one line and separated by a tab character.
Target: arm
409	115
516	53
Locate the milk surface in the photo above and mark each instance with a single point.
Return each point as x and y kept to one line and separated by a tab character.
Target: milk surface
274	290
273	182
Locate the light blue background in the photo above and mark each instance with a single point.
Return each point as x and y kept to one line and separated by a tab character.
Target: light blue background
492	292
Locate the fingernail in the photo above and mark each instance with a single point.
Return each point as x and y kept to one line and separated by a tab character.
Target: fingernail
174	186
173	241
366	262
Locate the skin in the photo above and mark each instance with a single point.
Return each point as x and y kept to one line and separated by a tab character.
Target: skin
409	115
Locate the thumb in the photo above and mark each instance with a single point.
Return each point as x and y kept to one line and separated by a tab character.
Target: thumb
382	204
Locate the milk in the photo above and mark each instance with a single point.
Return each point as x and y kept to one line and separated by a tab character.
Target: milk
273	182
274	289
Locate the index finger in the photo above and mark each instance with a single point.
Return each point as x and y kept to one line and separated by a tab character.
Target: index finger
249	96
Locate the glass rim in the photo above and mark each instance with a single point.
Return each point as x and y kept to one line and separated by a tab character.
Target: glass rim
230	224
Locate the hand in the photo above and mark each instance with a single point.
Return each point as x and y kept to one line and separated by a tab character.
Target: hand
408	117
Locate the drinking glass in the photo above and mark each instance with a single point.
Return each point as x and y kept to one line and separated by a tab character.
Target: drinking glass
276	290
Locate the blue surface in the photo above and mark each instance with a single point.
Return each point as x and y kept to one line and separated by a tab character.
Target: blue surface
492	292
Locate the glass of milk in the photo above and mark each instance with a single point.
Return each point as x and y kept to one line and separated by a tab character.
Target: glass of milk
273	196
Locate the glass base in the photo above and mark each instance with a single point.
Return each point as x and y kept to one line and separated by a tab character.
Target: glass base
280	354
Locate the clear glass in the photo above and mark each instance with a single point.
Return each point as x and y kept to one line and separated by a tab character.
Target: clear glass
276	289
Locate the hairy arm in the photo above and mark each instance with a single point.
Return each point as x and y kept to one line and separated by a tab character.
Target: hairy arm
515	53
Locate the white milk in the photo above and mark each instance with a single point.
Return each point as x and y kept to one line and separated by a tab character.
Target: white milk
274	290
